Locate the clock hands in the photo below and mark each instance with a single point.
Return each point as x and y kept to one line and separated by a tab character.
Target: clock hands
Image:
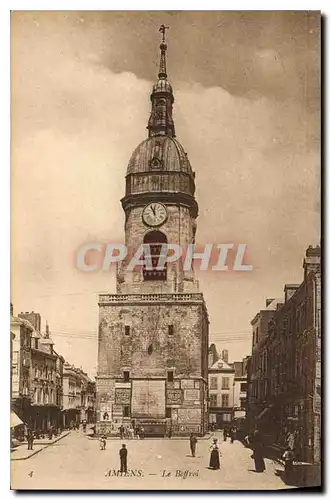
154	214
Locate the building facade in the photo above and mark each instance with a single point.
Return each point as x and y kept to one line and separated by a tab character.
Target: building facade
71	395
44	411
45	391
78	396
88	397
153	333
90	413
291	400
21	333
240	389
259	376
221	375
59	382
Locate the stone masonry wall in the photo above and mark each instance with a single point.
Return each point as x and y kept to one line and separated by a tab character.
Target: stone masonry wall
178	227
148	352
179	230
149	327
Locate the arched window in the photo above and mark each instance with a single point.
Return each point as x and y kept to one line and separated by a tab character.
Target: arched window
155	240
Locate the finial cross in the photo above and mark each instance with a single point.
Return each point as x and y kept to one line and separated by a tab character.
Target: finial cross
163	31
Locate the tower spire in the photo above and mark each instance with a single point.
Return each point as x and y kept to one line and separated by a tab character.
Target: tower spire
163	48
160	121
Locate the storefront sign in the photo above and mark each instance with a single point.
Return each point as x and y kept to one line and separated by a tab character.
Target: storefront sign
122	396
189	415
105	411
191	395
174	397
117	411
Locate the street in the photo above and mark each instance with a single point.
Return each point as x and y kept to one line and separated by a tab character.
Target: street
76	462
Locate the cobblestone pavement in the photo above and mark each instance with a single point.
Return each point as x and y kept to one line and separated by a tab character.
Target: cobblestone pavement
77	462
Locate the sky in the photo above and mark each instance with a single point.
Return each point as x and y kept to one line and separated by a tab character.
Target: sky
247	111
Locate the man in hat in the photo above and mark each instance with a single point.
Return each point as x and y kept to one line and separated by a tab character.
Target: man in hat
124	459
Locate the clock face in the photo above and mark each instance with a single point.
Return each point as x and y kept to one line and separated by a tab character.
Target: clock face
154	214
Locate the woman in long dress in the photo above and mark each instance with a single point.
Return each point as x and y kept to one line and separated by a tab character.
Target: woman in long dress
214	462
258	452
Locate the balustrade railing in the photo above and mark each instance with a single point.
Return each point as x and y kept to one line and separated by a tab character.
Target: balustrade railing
151	297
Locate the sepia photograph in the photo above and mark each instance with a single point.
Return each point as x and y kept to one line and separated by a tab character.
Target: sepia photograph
165	295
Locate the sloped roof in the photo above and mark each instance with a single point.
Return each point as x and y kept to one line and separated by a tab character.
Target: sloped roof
221	365
273	305
46	341
20	321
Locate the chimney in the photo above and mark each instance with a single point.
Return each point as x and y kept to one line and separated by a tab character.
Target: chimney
11	309
289	291
34	318
47	331
225	355
312	260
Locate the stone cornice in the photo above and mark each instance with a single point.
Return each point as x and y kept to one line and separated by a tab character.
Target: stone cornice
142	199
147	298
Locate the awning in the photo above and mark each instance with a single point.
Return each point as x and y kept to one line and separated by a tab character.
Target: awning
239	414
15	420
263	412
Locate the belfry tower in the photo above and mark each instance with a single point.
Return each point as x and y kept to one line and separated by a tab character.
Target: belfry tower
153	333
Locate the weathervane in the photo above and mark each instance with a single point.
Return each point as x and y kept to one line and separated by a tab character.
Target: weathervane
162	30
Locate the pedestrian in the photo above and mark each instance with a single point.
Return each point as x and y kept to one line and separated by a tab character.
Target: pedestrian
103	441
131	432
50	432
290	439
257	456
169	433
142	432
233	434
193	444
124	459
121	429
288	457
84	425
214	462
225	434
30	438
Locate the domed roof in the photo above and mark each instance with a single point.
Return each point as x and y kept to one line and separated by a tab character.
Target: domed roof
162	85
159	152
